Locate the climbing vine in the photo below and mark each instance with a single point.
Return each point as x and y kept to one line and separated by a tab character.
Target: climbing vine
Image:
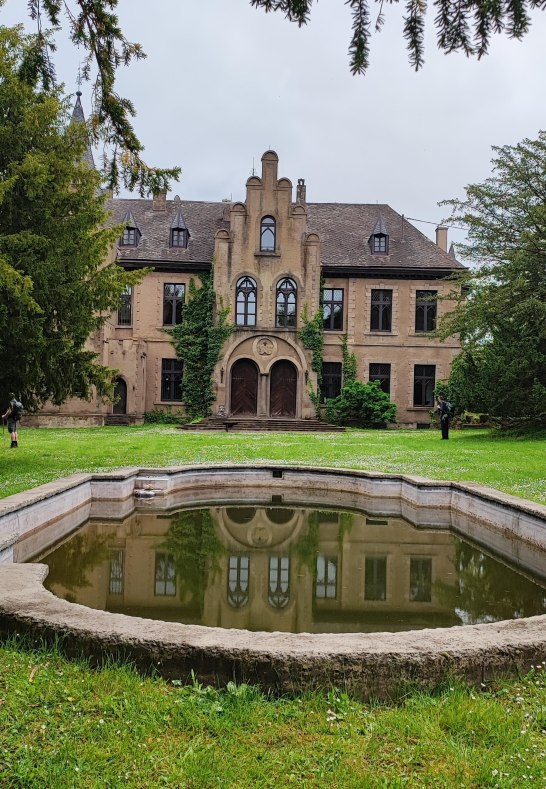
312	339
349	362
198	341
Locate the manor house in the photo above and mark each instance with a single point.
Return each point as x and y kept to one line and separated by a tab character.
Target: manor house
275	255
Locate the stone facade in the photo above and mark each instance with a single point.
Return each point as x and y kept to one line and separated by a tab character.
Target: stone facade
382	280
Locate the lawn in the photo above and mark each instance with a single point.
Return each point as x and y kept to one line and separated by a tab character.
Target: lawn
63	724
513	465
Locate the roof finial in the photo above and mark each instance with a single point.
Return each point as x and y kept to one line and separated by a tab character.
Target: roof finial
79	80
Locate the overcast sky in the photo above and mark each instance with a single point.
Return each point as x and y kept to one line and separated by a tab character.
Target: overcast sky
223	82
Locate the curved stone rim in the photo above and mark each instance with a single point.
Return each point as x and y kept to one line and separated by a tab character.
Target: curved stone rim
368	664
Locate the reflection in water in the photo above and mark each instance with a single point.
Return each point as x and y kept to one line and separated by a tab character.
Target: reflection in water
288	569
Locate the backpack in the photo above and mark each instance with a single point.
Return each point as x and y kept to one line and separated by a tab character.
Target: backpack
16	410
450	410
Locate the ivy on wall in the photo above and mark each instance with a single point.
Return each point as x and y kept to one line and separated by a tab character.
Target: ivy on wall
349	362
198	341
312	339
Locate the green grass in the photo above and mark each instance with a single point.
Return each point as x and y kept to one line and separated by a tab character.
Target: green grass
513	465
63	725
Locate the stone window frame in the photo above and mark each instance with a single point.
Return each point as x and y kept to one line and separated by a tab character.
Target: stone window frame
423	378
333	303
238	580
268	227
429	306
284	294
381	376
125	310
246	294
375	558
164	575
172	371
382	305
330	377
175	302
278	581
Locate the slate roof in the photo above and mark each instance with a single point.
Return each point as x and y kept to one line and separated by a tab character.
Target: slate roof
201	219
344	230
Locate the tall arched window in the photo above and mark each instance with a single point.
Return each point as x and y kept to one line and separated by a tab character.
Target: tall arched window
268	231
245	301
287	292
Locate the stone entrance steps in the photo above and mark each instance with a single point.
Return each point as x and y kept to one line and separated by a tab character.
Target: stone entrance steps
264	424
117	419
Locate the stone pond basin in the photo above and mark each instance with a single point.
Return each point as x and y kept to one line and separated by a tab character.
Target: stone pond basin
379	665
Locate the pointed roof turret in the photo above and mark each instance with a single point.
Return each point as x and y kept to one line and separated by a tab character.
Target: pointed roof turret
79	117
452	251
178	222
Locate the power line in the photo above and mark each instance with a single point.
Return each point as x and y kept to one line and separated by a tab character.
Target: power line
428	222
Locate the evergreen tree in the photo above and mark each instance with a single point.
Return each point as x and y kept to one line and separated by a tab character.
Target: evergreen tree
53	242
501	311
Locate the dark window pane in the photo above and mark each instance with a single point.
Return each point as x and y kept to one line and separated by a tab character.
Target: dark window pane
125	310
332	301
381	373
420	590
425	310
326	578
375	578
245	302
286	303
331	380
171	379
238	580
424	379
117	567
165	575
178	238
173	303
381	310
379	244
279	581
129	237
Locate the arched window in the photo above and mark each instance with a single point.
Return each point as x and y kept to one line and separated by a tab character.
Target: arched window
286	300
245	300
279	581
238	577
268	232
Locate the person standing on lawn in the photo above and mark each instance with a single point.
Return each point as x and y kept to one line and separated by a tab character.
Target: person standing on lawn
13	415
444	413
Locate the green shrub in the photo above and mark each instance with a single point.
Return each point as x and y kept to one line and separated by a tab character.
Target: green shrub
361	404
164	417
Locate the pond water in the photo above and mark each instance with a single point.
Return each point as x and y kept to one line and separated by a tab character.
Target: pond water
291	569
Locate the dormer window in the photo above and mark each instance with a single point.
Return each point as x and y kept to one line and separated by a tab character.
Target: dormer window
379	244
129	237
268	232
379	239
131	234
179	231
178	238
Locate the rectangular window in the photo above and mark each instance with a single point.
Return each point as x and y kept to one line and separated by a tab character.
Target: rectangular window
331	380
173	301
165	575
129	237
381	315
420	590
332	306
375	578
116	571
171	379
178	238
424	380
381	373
425	310
125	311
326	579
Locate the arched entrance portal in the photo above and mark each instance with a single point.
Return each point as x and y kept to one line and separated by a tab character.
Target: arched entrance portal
244	387
120	397
282	393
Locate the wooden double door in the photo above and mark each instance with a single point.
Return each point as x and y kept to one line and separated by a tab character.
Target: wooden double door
283	381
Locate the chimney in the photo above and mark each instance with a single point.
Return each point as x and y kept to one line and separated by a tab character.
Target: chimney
160	201
301	191
441	237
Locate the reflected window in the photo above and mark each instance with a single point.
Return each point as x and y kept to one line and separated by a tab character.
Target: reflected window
245	302
241	514
117	567
420	590
279	581
268	232
327	516
424	380
279	515
375	578
125	308
332	306
326	580
238	578
286	303
165	575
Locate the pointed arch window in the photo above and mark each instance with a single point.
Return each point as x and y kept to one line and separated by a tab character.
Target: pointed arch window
286	302
245	301
268	234
279	581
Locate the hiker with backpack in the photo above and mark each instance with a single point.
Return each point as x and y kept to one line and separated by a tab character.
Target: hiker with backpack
444	412
13	415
